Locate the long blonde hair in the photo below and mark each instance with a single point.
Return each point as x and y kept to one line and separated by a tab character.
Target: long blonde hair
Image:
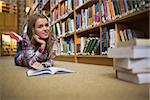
31	31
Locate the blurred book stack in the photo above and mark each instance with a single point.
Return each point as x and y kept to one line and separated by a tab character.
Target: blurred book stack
132	60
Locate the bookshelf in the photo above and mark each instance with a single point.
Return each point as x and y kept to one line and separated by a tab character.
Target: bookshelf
8	7
72	20
8	22
8	16
86	30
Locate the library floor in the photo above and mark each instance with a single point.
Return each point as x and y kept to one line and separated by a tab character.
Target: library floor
90	82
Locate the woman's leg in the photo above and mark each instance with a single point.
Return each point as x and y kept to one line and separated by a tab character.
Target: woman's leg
16	60
19	52
15	36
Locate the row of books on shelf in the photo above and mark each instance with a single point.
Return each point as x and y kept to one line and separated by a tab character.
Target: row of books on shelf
125	35
65	47
8	45
132	61
87	17
112	9
38	6
66	27
63	9
88	46
108	39
9	8
81	2
10	1
84	18
55	3
85	46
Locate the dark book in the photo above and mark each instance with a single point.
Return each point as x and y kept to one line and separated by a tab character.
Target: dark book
92	45
89	45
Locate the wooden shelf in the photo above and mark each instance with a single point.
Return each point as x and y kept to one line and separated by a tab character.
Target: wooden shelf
65	16
95	59
89	30
86	4
68	58
87	59
54	7
68	35
58	20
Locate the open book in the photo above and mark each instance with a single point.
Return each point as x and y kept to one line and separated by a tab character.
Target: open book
49	70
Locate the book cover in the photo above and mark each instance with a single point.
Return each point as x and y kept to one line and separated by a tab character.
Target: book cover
96	50
97	13
119	8
140	78
129	63
86	44
92	45
129	52
58	29
135	42
134	70
49	70
112	11
89	45
122	6
83	42
115	8
122	36
105	9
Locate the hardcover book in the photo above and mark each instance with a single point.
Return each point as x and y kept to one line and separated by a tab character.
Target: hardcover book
129	63
140	78
134	42
129	52
133	70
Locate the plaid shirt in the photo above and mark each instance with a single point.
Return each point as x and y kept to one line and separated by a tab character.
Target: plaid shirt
31	53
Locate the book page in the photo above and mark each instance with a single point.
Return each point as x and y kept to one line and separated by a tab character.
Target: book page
56	70
49	70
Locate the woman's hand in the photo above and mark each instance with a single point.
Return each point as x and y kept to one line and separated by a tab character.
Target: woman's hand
37	65
41	41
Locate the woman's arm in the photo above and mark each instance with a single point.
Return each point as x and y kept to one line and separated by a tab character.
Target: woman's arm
50	61
31	56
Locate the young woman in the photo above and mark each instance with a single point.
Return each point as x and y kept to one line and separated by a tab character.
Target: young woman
38	44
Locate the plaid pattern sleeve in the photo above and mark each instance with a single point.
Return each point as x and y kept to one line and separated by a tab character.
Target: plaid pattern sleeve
31	53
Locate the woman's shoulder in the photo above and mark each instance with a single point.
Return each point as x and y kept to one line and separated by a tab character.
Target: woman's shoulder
26	40
25	36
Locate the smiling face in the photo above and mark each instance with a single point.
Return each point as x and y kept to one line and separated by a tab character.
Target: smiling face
42	28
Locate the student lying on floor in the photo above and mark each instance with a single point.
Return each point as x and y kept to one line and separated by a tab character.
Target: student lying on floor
37	46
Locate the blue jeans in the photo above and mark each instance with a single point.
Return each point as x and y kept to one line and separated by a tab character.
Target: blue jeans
16	58
19	51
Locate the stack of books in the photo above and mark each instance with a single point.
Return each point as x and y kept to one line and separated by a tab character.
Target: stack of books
132	60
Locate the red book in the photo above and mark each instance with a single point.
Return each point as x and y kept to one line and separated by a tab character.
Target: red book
122	6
